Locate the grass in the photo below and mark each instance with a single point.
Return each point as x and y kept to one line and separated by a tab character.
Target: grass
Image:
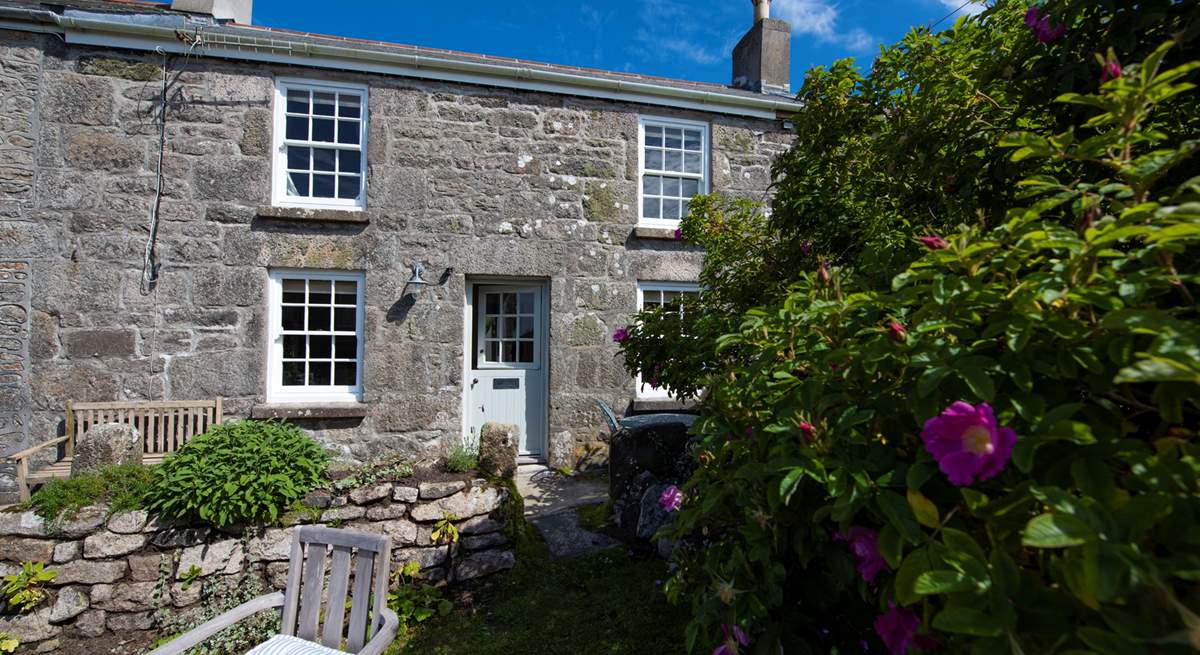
595	517
609	603
122	487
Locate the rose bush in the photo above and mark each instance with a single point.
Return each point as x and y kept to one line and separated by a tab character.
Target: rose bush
994	452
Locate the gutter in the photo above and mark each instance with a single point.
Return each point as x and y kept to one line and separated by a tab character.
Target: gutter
91	31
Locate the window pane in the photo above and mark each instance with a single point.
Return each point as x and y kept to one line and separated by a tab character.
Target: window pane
297	128
691	139
690	188
683	207
348	186
293	291
319	292
293	346
320	347
349	161
297	184
674	138
297	101
349	105
493	351
693	162
670	209
322	129
292	318
508	327
654	159
489	327
526	303
345	373
318	319
323	159
348	131
526	331
526	352
347	292
293	374
493	303
654	136
319	374
674	161
344	319
651	185
650	208
297	158
510	351
510	303
322	186
323	103
671	187
345	347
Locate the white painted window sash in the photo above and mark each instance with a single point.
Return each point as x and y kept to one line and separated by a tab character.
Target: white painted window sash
280	144
703	177
653	290
277	392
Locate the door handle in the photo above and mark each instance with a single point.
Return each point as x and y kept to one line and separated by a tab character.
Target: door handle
474	381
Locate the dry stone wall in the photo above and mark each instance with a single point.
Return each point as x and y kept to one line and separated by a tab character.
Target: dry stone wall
481	180
122	577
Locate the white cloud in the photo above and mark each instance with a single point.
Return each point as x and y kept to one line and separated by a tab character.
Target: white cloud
970	9
689	50
819	19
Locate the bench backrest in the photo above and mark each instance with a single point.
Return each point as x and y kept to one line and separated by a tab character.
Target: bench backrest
164	425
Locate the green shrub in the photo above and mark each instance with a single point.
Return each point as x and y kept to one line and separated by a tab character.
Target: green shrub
121	487
412	600
835	500
463	455
218	594
238	472
24	590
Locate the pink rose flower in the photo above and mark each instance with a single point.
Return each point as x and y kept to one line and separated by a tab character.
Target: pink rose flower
934	242
864	544
899	332
1111	69
620	334
967	443
734	636
1040	25
671	499
678	234
897	628
809	431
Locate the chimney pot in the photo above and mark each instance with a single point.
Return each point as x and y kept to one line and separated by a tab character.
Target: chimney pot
762	60
236	10
762	9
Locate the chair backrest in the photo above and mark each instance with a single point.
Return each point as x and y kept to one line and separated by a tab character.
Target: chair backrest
366	556
163	425
613	424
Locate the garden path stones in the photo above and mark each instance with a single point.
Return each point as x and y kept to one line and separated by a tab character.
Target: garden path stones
550	502
566	538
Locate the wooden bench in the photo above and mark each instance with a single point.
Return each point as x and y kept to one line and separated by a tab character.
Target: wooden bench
164	427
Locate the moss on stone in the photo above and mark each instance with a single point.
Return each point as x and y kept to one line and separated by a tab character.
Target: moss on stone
587	331
600	204
140	71
737	141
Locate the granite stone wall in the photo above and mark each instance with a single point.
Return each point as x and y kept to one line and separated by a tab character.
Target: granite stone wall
124	579
486	181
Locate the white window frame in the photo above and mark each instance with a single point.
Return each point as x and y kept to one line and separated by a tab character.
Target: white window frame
481	361
279	195
276	391
644	391
705	166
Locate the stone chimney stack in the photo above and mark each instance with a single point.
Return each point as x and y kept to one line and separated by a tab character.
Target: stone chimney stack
762	60
235	10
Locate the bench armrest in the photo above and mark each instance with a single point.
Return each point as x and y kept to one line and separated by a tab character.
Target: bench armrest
29	451
387	633
198	635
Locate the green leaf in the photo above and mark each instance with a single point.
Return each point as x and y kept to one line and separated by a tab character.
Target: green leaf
891	546
1056	531
929	380
918	562
923	508
899	514
943	582
957	540
966	621
978	381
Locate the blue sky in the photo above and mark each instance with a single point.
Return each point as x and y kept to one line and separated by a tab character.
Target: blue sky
687	39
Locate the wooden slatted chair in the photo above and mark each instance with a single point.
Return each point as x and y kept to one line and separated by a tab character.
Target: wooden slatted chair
163	425
371	626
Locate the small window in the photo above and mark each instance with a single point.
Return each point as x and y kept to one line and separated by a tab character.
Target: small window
670	296
507	330
316	327
674	167
320	145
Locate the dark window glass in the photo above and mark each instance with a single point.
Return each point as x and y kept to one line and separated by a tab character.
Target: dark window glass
322	186
510	351
348	132
349	106
322	129
320	347
348	186
526	352
323	159
526	327
347	293
319	292
345	347
510	303
345	373
293	318
493	303
293	346
344	319
293	373
297	158
293	291
297	101
318	319
493	351
319	373
299	184
297	128
323	103
349	161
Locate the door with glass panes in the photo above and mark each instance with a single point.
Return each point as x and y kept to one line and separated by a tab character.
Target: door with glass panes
507	376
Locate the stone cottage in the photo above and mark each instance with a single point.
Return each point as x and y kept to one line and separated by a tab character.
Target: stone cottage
388	244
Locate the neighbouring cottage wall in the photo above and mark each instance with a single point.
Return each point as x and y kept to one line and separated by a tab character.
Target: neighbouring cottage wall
116	572
485	180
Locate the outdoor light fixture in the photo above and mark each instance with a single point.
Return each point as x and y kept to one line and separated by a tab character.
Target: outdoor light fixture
418	270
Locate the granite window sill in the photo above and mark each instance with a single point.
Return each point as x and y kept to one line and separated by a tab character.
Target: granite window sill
660	233
312	411
312	215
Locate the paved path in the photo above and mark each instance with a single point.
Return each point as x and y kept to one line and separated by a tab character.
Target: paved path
550	502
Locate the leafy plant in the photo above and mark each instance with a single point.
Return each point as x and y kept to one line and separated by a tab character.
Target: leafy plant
24	590
995	450
386	468
189	576
8	642
412	600
445	530
121	487
218	594
238	472
463	455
